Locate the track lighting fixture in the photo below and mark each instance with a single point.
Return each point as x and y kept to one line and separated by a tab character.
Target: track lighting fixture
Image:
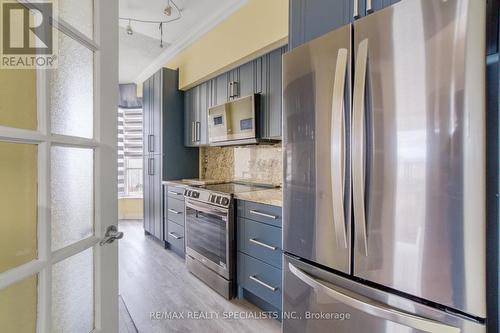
168	11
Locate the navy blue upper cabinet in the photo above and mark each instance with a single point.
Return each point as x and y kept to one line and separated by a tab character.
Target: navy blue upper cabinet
196	104
309	19
259	76
380	4
271	94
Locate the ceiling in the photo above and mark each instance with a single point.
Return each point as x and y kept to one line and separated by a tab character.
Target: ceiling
139	51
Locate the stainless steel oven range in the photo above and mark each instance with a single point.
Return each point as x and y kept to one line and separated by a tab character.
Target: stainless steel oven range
210	238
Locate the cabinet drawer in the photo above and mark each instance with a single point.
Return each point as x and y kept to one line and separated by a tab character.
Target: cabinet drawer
260	278
260	240
175	211
175	192
175	236
263	213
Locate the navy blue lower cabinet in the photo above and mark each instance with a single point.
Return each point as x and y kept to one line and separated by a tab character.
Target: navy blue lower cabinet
260	256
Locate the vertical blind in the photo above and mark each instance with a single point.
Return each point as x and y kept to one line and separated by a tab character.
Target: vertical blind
129	152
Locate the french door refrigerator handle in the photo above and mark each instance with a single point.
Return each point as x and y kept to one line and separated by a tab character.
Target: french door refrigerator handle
372	307
369	8
358	147
355	11
338	148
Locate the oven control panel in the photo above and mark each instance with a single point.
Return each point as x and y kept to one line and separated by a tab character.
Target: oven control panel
209	197
219	200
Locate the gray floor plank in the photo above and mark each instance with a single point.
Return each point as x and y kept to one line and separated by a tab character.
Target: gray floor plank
153	279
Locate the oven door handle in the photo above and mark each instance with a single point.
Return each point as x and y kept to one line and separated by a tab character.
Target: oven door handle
208	210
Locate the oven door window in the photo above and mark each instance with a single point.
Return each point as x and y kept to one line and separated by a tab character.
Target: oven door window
206	234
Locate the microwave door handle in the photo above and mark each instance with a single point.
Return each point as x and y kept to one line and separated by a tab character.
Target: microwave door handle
338	148
372	307
359	149
193	132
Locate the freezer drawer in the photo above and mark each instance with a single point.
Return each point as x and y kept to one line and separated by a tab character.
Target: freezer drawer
318	301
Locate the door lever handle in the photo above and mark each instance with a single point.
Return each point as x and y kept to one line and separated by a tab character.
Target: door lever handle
111	235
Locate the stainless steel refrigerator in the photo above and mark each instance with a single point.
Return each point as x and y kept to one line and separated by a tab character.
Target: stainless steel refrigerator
384	173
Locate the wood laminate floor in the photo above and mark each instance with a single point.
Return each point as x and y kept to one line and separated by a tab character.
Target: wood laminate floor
153	279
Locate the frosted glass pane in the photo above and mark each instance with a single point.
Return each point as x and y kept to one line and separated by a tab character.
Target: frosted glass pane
72	195
78	13
71	90
18	306
18	204
73	294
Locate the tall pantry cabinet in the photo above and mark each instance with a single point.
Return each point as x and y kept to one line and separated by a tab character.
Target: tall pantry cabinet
164	156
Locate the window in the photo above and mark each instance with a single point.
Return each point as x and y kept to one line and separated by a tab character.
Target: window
130	153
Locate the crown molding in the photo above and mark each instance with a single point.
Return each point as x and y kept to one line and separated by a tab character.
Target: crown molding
189	38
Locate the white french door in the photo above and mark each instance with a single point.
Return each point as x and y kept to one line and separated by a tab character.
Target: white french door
58	188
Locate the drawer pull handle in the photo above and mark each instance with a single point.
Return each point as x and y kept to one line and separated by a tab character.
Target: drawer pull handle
253	240
175	235
262	283
173	211
174	193
256	212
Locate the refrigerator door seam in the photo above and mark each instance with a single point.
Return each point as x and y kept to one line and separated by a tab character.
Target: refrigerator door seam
358	147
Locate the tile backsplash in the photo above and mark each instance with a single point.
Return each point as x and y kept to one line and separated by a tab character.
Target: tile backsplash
257	164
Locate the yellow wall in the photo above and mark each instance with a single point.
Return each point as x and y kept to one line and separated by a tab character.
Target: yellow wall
130	209
256	28
18	307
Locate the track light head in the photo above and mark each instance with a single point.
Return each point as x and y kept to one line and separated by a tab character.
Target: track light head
168	10
129	29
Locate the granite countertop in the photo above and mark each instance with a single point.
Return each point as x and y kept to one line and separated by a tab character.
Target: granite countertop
190	182
269	197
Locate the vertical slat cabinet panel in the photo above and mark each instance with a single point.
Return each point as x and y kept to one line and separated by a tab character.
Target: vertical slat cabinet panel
202	125
188	118
274	94
164	212
146	194
157	197
247	79
295	23
309	19
264	97
257	67
212	93
156	111
145	111
221	88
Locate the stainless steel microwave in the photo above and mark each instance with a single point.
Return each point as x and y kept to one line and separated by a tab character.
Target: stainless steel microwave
235	122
